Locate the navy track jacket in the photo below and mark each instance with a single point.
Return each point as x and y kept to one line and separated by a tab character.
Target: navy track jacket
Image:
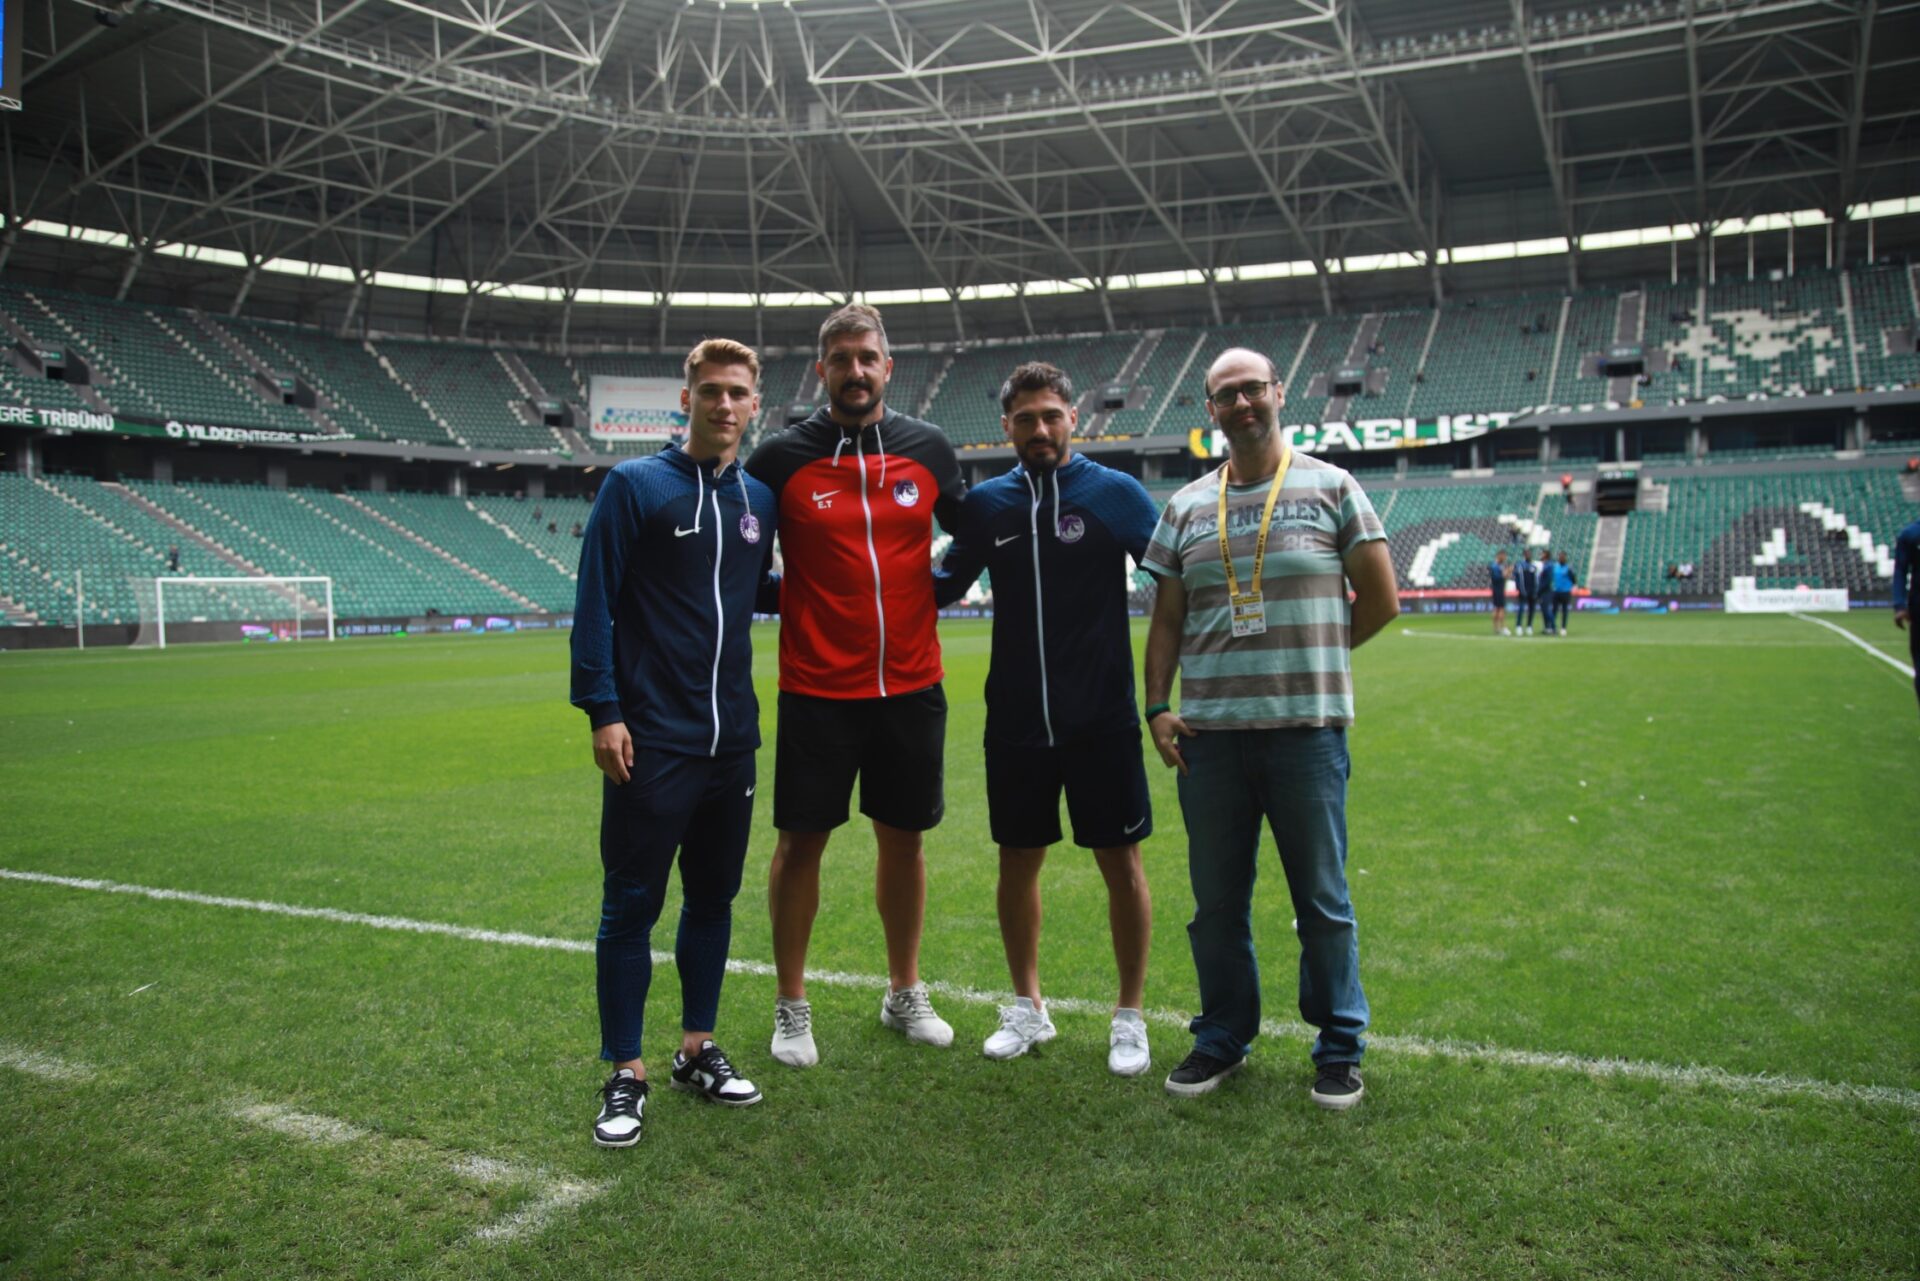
1056	546
674	557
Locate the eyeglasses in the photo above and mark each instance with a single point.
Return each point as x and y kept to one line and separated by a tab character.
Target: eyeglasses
1224	397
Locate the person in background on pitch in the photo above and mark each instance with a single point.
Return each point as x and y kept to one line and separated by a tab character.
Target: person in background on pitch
859	487
1545	592
1253	562
1906	579
1526	582
677	550
1060	535
1564	580
1498	573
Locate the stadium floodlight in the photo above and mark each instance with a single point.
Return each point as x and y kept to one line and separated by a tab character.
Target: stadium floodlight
270	606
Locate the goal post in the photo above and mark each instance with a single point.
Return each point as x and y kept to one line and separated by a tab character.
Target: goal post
275	606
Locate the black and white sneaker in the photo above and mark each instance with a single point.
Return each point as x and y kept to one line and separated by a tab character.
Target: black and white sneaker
709	1073
1337	1087
1201	1073
620	1119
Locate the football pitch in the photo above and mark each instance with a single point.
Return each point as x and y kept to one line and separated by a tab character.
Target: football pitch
296	980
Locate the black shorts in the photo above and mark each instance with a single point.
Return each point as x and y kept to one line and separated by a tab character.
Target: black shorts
896	745
1105	780
1499	598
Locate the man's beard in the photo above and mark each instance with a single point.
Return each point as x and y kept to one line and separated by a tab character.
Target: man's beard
1046	463
1255	431
841	403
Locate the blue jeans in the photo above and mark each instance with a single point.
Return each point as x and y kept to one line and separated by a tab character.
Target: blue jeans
1296	781
1546	610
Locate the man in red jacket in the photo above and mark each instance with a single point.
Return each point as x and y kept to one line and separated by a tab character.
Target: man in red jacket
859	486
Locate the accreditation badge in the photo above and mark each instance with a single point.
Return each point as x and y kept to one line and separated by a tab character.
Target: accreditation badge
1249	615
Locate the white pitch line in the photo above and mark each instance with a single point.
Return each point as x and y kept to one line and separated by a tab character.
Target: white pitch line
1867	645
551	1195
37	1063
1607	642
1426	1047
335	915
301	1125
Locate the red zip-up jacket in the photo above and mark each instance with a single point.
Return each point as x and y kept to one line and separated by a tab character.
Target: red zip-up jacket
857	618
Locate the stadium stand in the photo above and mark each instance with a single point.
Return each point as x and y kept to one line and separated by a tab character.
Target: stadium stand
967	404
377	571
1589	328
1325	350
1489	355
1882	300
469	390
56	525
363	398
554	374
20	386
402	553
1174	355
1721	524
1776	337
90	327
1402	336
1735	338
454	525
1670	321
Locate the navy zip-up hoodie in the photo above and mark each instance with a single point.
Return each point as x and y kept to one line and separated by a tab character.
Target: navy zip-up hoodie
672	561
1056	546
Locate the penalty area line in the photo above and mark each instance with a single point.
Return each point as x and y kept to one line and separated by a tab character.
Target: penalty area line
1415	1046
550	1195
1863	643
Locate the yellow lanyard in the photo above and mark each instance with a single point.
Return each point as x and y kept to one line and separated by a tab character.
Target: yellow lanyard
1266	523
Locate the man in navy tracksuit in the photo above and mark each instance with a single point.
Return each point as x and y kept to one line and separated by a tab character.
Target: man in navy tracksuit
674	556
1527	577
1906	580
1055	534
1545	594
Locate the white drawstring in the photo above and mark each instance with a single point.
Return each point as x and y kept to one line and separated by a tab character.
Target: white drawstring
1056	504
700	497
837	448
880	443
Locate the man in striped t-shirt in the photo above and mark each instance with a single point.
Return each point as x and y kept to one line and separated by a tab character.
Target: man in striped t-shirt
1258	622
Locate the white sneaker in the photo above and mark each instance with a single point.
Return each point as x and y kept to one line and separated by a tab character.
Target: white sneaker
1023	1025
911	1011
793	1033
1127	1044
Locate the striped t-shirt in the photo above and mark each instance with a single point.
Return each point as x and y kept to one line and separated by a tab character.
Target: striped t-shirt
1297	672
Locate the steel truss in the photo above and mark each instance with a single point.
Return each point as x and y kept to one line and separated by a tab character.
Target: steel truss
829	147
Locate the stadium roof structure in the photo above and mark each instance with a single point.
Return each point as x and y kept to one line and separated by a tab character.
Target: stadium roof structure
1001	165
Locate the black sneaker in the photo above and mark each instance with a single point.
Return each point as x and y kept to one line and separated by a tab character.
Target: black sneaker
1200	1073
1337	1087
620	1119
709	1073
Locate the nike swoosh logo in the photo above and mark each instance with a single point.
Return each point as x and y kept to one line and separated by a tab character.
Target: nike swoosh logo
1137	824
1002	542
829	494
750	789
682	533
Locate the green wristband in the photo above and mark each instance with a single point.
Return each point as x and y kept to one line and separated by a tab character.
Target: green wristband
1155	710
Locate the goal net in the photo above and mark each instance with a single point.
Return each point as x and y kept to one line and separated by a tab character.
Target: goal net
181	608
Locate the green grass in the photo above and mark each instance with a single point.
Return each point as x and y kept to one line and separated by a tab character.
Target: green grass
1739	893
